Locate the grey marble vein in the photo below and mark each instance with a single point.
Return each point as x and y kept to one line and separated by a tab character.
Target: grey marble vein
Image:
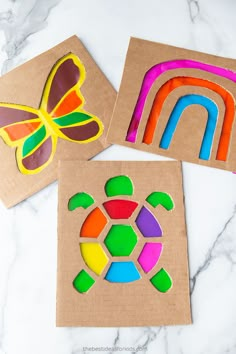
148	335
116	339
194	9
18	23
213	251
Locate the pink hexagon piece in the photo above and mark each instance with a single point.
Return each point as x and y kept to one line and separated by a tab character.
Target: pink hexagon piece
150	255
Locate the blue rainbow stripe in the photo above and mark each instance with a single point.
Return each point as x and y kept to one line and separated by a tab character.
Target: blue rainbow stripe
180	106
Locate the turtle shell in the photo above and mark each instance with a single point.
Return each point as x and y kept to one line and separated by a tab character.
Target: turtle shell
121	239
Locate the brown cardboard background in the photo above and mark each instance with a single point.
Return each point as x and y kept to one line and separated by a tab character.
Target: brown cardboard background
24	85
137	303
187	139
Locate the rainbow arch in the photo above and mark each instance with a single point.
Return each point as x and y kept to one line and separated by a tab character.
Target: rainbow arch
176	82
155	72
180	106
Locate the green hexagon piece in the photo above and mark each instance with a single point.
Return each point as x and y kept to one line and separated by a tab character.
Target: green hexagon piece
121	240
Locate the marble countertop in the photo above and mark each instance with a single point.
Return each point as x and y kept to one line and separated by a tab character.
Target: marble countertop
28	237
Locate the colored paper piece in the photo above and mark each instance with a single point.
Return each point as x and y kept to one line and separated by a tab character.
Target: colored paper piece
36	148
176	82
121	240
120	209
150	255
19	131
119	185
181	105
82	133
148	224
32	142
122	272
60	84
36	159
155	72
80	200
162	281
10	115
83	282
68	105
72	118
93	224
94	256
160	198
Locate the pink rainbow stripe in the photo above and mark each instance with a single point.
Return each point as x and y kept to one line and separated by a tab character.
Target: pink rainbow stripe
153	74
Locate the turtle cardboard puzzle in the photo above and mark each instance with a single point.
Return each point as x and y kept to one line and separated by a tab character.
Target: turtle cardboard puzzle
56	106
178	103
122	245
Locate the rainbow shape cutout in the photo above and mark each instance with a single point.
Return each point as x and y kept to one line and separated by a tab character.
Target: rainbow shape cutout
155	72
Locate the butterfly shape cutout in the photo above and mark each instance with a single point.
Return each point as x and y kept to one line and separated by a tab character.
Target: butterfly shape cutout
35	132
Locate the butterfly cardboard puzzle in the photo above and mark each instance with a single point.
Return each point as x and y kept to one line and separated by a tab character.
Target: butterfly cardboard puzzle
178	103
56	106
122	246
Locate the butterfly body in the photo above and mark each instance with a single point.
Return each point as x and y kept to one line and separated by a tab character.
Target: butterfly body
35	132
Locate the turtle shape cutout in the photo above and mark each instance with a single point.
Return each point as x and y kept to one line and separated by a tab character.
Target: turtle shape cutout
121	238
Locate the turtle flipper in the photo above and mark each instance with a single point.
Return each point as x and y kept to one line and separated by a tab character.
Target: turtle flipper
160	198
162	281
83	282
80	200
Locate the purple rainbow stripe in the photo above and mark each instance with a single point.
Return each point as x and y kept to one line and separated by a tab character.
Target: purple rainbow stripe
154	73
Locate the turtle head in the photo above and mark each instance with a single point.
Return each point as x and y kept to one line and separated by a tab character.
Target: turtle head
119	185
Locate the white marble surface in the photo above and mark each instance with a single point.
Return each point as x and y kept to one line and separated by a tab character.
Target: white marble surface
28	238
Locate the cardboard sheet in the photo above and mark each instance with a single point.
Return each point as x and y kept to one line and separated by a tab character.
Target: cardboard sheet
104	276
56	106
178	103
